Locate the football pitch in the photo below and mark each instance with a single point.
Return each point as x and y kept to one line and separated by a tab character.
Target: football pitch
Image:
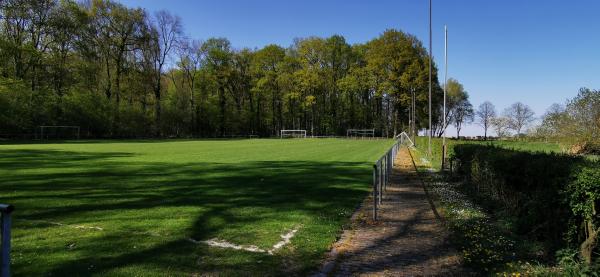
181	207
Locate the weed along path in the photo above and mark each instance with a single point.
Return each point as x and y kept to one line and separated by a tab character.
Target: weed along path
406	240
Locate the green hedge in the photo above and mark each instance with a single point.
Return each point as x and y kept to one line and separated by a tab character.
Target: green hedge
552	197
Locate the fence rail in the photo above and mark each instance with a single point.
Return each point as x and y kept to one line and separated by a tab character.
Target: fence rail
5	211
382	170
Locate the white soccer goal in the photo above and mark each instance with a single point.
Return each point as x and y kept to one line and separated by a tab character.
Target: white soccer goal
405	139
293	134
59	132
361	133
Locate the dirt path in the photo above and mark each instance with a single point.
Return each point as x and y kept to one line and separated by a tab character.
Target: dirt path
407	240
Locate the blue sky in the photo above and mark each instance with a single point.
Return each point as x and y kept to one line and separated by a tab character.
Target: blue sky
537	52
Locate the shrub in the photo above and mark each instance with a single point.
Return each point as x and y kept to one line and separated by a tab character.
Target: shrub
549	195
583	196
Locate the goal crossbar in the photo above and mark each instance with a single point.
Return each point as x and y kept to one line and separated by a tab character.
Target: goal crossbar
360	133
292	133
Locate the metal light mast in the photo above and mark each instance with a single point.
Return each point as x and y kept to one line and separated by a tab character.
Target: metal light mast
430	65
445	89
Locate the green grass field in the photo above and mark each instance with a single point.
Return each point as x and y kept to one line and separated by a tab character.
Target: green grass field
130	208
436	147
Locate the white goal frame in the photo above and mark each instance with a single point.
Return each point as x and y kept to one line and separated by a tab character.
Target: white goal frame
76	128
404	139
292	134
360	133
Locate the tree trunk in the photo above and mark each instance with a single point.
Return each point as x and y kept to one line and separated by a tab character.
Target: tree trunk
157	107
118	82
273	114
157	114
222	103
192	113
587	247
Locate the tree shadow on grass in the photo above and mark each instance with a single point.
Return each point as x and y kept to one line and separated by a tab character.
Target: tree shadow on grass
240	201
15	159
106	141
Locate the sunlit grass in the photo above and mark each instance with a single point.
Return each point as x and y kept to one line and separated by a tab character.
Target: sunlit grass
435	158
129	208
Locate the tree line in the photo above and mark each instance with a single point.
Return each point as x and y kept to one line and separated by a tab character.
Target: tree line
576	123
118	71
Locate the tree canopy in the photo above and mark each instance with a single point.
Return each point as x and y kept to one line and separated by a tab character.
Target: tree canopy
577	123
123	72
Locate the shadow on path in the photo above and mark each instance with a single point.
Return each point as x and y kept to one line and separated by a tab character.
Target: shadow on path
407	240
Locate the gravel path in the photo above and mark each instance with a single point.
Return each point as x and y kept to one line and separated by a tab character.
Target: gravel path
407	240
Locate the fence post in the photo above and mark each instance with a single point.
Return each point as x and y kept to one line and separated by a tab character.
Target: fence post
390	164
385	175
380	181
382	170
387	169
375	192
6	211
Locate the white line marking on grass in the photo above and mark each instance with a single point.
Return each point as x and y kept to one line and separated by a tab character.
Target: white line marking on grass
225	244
214	242
286	238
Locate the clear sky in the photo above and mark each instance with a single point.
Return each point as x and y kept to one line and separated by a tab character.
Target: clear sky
538	52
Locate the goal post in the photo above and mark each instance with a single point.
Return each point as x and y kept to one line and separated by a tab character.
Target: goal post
59	132
360	133
404	139
293	134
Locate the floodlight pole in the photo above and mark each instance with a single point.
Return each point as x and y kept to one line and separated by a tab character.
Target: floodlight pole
445	88
430	65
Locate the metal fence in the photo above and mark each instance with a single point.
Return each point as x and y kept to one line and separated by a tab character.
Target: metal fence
6	211
382	170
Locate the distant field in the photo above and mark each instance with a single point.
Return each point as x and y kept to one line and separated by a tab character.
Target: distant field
436	147
136	208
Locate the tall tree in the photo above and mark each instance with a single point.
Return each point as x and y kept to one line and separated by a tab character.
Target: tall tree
126	26
191	57
219	64
456	98
520	115
463	114
165	33
267	65
389	58
485	114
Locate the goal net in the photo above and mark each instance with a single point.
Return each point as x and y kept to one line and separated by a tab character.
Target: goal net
59	132
361	133
405	139
293	134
